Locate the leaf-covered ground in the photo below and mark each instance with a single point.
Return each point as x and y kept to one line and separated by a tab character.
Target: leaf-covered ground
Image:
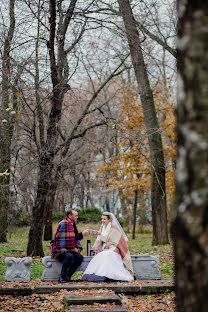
54	302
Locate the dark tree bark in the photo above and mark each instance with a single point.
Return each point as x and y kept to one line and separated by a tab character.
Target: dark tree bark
134	213
107	204
6	129
190	225
48	232
158	191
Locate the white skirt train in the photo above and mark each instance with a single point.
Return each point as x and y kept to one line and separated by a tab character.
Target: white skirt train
107	264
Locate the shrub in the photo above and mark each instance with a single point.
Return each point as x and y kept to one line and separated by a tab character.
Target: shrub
84	215
58	216
89	215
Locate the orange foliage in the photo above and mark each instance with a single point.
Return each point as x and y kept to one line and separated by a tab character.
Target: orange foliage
130	168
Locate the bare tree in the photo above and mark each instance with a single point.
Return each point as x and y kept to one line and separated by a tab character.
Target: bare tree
158	191
59	76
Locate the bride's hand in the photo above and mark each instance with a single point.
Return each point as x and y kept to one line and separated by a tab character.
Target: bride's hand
98	233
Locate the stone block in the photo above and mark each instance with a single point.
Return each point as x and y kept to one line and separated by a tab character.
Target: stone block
53	268
16	291
18	269
102	298
145	267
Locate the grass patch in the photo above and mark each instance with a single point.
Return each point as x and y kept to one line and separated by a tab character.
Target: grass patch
16	246
37	270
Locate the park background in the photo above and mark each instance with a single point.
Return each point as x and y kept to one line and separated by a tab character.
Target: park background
87	107
83	124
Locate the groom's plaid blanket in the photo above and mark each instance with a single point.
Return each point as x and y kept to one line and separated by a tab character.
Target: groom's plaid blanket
116	242
64	238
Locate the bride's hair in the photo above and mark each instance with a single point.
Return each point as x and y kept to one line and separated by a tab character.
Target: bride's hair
107	214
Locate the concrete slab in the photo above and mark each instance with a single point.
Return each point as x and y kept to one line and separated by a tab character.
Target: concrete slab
14	291
52	289
145	288
116	288
156	289
102	298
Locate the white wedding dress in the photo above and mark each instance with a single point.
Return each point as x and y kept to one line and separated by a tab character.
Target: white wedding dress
107	264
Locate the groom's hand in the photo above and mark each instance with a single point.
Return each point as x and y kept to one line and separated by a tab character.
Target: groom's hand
85	232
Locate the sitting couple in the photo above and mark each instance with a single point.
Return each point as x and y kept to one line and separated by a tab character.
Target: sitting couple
112	259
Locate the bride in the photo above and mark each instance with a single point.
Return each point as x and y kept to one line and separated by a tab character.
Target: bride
112	259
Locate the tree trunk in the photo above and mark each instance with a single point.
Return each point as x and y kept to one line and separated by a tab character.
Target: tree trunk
134	214
6	129
190	224
107	203
34	247
124	210
48	231
158	192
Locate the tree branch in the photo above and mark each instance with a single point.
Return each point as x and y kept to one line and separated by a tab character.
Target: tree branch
68	17
81	134
76	40
79	121
141	27
157	39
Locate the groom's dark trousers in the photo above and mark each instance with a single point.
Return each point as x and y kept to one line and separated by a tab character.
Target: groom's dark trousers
70	263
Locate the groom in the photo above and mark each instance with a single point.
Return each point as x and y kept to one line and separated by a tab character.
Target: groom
65	245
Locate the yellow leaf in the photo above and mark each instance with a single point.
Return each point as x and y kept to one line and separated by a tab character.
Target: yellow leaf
4	120
18	94
18	116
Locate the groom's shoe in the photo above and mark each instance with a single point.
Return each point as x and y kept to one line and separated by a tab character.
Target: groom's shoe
63	280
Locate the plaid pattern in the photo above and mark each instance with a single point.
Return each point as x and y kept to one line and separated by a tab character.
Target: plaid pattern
64	238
